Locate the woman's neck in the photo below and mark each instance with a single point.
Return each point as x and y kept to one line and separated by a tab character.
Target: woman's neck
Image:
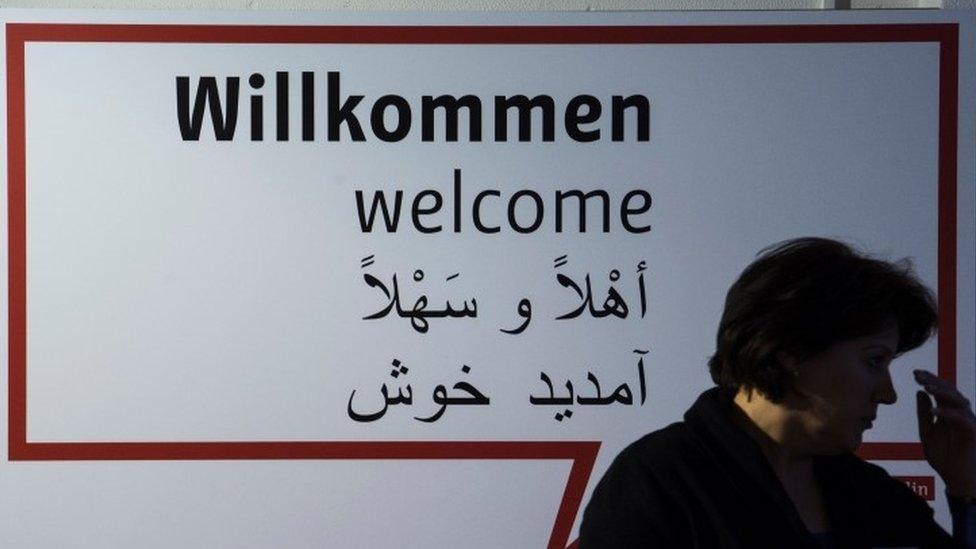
773	428
780	438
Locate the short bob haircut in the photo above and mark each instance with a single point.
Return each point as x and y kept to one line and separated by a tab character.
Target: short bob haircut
800	297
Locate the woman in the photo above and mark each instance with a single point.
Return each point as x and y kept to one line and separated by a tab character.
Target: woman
765	458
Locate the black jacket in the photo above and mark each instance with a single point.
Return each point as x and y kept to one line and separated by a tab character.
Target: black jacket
705	483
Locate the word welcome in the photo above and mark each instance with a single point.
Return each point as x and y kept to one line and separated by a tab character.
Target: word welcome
428	203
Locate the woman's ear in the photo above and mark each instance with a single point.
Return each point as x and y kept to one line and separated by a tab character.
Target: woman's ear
792	368
786	361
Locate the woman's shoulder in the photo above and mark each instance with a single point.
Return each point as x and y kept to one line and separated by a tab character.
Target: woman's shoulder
633	504
659	447
649	467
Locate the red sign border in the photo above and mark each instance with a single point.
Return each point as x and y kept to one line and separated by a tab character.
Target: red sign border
583	453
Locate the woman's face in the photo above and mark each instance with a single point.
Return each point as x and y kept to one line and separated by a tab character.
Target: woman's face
837	393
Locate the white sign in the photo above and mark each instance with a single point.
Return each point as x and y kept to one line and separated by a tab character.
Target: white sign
308	280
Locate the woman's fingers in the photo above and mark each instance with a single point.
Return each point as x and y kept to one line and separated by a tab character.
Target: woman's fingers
947	398
923	405
945	394
953	415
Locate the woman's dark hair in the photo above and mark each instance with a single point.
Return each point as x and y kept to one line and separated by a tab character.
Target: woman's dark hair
803	295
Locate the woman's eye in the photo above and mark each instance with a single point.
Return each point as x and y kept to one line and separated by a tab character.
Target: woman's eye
876	363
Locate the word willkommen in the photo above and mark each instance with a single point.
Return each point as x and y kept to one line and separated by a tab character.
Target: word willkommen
390	117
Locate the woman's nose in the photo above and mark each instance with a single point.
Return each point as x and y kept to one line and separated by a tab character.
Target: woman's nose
885	393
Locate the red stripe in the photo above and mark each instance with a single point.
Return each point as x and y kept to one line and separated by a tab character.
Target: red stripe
454	34
891	451
948	114
16	247
579	477
82	451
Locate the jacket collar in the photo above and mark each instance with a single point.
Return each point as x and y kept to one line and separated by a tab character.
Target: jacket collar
711	420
